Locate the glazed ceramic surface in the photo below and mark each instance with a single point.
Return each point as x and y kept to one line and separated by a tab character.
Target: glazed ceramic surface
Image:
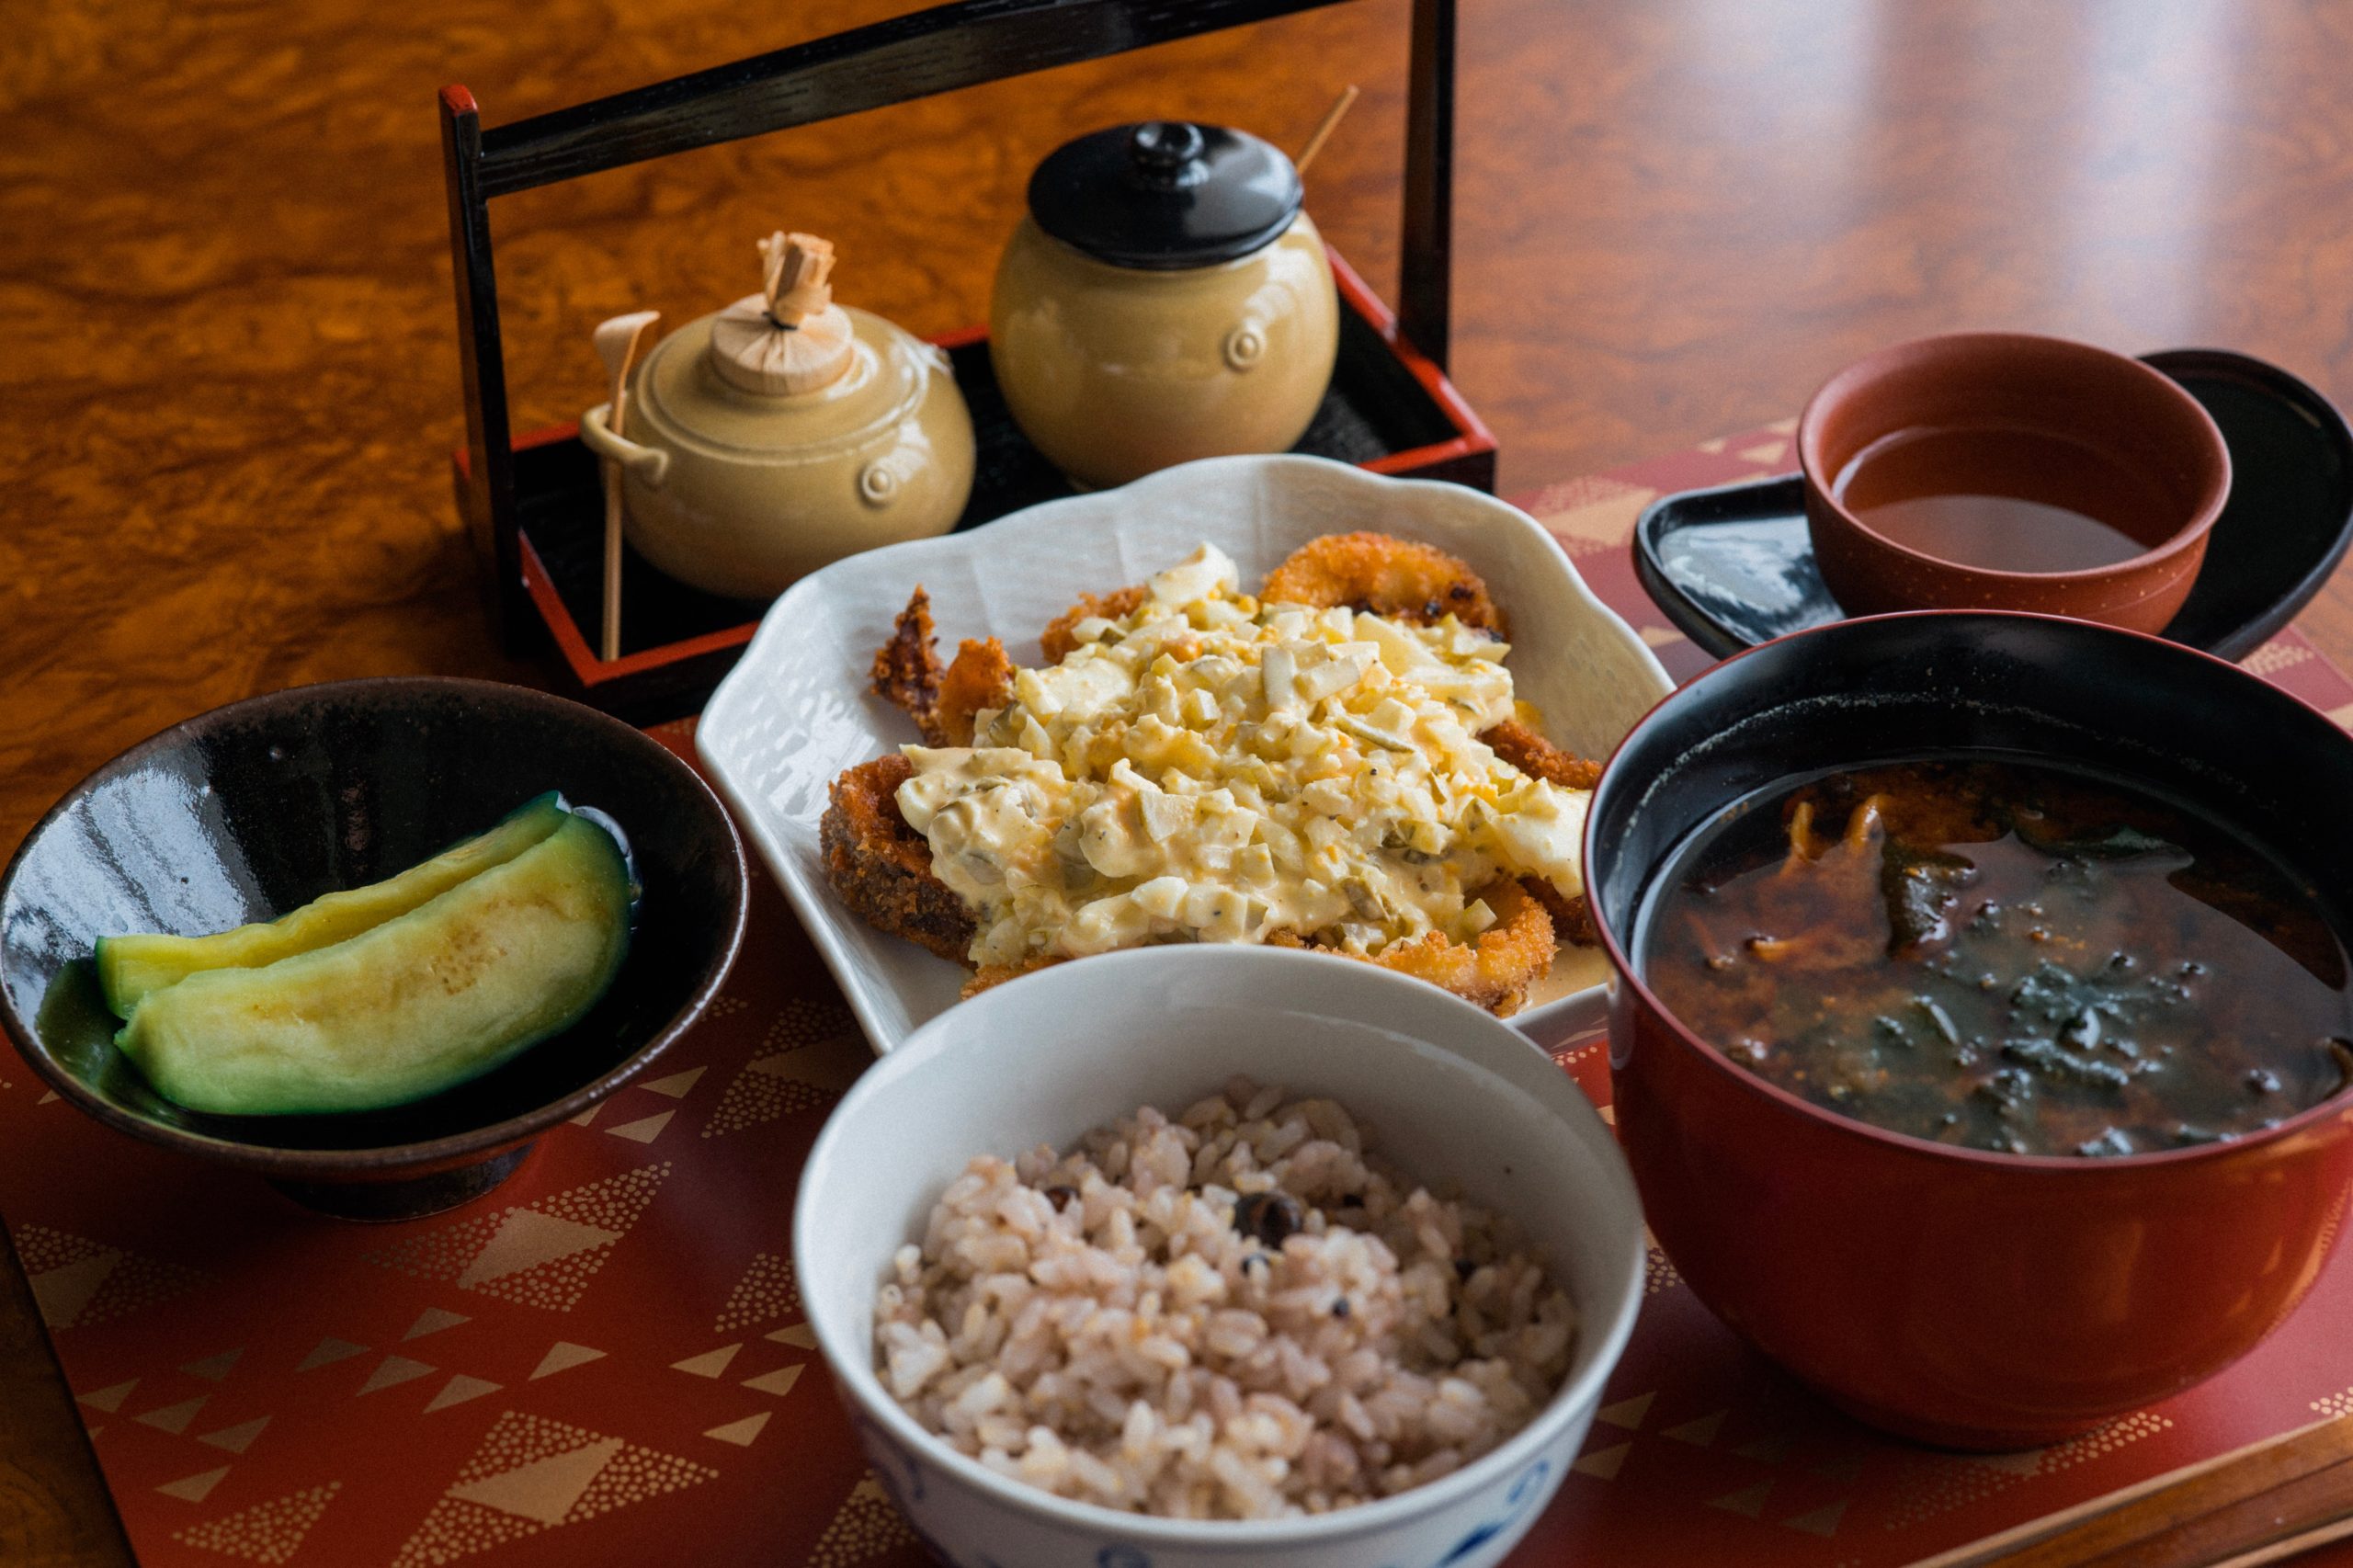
797	710
1951	1295
1116	372
249	811
742	494
2130	414
1454	1096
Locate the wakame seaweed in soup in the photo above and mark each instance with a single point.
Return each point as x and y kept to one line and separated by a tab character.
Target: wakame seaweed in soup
2005	955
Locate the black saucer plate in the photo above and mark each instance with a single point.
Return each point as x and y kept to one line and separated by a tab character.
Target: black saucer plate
1733	566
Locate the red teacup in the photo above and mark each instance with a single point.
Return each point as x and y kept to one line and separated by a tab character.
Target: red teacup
2004	471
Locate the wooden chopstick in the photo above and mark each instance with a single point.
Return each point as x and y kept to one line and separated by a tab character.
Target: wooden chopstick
2294	1546
2242	1508
2318	1500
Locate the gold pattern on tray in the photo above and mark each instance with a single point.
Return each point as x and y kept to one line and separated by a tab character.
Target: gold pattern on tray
539	1255
645	1129
394	1370
864	1526
78	1282
109	1399
268	1532
1591	514
530	1474
767	1291
1603	1464
1659	1272
238	1439
2275	655
1938	1481
458	1389
740	1433
173	1418
433	1320
711	1363
809	1058
194	1488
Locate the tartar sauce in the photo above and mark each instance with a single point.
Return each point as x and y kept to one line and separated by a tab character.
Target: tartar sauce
1212	768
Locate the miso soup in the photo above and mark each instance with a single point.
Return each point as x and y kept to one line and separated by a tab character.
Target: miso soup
2005	955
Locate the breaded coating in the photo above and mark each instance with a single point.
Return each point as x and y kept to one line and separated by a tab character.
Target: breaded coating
1572	918
980	678
1540	758
1495	970
907	674
993	974
907	670
882	867
1377	574
1059	639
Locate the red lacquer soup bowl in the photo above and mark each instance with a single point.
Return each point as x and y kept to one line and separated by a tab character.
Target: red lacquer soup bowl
1960	1296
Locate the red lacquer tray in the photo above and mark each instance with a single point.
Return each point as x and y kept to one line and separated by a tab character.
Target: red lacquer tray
605	1360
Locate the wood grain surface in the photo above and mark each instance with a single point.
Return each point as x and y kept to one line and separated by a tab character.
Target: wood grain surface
229	365
53	1511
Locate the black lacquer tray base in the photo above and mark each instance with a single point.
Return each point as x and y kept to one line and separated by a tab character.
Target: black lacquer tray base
1733	567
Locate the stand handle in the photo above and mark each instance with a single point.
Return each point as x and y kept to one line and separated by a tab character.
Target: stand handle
961	44
958	45
1426	257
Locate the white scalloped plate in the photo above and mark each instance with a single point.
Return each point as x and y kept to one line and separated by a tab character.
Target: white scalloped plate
796	710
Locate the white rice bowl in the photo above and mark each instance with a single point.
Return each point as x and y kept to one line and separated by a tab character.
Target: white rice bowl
1230	1315
1057	1344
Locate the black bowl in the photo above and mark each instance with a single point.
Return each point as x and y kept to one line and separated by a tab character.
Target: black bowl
251	809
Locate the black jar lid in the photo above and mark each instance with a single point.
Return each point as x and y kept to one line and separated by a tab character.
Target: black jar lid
1164	195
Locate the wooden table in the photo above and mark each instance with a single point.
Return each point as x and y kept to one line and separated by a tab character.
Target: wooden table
233	382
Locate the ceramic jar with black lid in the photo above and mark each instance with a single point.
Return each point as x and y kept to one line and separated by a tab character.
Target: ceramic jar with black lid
1166	298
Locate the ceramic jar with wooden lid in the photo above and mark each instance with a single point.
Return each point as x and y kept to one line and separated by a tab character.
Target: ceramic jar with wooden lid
785	432
1166	298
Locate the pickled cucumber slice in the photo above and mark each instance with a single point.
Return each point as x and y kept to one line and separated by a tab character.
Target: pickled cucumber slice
418	1004
131	966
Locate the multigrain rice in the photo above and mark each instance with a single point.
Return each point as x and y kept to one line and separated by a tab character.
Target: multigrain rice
1097	1325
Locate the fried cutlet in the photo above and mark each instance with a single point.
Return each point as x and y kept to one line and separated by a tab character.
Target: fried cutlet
1060	639
1540	758
943	703
881	867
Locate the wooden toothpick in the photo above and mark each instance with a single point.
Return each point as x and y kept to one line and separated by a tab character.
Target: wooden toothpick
1330	122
